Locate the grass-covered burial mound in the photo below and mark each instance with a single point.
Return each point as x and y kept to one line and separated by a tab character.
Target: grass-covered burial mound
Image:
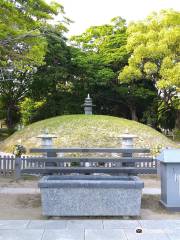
87	131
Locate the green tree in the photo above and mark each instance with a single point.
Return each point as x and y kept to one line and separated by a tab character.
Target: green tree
136	97
52	81
99	56
154	46
96	58
72	71
23	26
106	42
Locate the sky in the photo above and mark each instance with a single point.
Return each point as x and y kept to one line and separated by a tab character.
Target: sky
86	13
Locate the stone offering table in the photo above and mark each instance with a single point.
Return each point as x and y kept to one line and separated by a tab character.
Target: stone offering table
91	195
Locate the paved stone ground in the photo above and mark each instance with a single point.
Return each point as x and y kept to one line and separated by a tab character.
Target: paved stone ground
76	229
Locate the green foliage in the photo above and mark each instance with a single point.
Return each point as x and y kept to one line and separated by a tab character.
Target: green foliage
154	45
5	133
23	44
55	74
72	71
53	81
130	73
18	150
150	68
29	109
177	135
166	116
102	54
106	42
150	116
38	62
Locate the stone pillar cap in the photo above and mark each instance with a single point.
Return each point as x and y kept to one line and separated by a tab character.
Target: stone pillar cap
46	134
126	134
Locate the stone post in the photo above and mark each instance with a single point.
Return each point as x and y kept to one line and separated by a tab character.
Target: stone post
47	142
17	168
46	139
127	143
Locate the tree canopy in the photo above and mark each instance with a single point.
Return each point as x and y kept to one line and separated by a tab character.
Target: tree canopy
21	27
23	45
131	71
154	47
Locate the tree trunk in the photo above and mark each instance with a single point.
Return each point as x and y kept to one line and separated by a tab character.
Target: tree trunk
9	118
133	113
177	124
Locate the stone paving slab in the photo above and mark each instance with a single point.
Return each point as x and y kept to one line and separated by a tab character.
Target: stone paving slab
63	235
47	224
13	224
153	234
89	229
160	224
172	234
25	234
113	234
121	224
85	224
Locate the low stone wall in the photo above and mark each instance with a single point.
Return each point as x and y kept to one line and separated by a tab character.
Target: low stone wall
91	195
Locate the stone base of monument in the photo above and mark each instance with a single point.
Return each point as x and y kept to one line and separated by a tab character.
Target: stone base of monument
91	195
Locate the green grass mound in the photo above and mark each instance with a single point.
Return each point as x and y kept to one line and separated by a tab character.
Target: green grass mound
87	131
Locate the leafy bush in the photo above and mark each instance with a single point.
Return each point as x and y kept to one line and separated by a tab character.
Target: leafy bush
29	109
19	150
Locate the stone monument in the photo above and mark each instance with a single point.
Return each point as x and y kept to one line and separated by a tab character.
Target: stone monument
88	105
